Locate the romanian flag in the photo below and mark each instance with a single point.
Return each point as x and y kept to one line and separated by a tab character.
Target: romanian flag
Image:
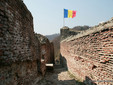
69	13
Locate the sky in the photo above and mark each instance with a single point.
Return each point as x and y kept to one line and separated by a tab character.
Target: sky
48	14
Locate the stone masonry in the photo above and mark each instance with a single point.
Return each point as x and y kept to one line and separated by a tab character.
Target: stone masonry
47	52
89	54
66	32
20	50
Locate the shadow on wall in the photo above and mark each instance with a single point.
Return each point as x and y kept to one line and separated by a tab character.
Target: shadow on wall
63	62
88	81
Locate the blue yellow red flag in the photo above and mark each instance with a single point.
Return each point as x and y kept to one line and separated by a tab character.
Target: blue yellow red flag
69	13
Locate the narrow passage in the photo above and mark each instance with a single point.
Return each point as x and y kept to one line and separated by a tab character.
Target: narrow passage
59	77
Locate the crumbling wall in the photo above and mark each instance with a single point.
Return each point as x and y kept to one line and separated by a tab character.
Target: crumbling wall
89	54
47	52
66	32
19	48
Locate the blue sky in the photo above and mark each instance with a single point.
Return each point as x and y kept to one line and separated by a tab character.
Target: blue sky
48	14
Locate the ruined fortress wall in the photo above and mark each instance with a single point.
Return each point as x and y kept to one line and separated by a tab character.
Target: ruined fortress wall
47	52
66	32
19	49
89	55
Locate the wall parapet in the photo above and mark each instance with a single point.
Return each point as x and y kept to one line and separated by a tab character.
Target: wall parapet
97	28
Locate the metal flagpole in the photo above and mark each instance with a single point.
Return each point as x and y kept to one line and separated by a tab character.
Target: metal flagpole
63	21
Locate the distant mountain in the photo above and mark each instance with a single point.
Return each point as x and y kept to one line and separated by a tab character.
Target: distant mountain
80	28
51	37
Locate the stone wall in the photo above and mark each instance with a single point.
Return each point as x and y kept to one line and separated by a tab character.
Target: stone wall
19	48
66	32
47	52
89	54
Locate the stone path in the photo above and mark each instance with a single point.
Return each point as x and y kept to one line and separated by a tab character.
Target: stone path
59	77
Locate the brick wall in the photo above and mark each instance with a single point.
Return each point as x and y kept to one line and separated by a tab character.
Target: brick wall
19	48
90	54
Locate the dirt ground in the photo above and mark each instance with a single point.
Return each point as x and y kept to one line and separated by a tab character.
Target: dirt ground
59	77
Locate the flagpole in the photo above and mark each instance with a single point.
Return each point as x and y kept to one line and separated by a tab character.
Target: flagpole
63	22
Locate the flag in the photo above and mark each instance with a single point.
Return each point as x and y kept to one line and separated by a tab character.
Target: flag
69	13
74	14
65	13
